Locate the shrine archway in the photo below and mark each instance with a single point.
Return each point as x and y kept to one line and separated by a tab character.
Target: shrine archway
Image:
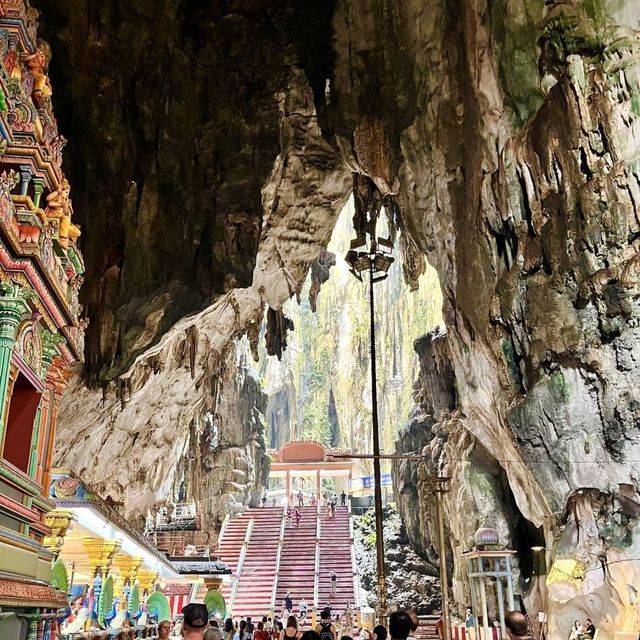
311	460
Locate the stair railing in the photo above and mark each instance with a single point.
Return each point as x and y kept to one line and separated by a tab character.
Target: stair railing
274	592
316	574
223	529
354	565
241	558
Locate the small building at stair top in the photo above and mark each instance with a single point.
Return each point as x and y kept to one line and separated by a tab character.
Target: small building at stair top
304	463
41	333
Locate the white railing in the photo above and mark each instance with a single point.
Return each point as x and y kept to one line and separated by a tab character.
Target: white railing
241	558
354	565
316	574
223	528
274	592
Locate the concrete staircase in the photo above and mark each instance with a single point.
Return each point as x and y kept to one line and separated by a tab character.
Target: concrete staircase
427	629
269	559
297	562
249	545
336	555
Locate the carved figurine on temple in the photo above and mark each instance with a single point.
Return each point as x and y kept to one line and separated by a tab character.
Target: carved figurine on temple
59	206
36	66
11	61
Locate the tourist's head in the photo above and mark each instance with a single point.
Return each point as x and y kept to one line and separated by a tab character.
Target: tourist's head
346	638
264	619
325	615
589	621
310	635
164	629
292	623
248	619
243	626
228	625
214	623
400	625
196	617
469	612
279	625
260	625
516	625
379	632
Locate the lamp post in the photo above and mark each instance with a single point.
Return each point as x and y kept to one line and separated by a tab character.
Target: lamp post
372	255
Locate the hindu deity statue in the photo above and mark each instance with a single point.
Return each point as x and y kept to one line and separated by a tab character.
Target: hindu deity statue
59	206
36	65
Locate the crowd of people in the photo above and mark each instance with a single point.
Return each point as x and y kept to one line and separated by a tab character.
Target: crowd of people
296	502
402	625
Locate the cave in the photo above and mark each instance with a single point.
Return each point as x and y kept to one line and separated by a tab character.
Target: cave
197	173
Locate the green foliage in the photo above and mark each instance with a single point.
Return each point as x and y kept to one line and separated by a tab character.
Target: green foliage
559	385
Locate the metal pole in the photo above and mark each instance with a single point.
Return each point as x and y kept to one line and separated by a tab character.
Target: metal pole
382	589
442	556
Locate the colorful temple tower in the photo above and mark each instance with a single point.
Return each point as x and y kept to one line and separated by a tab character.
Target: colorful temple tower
40	330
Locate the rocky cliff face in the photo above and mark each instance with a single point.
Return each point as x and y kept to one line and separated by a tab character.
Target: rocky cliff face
508	132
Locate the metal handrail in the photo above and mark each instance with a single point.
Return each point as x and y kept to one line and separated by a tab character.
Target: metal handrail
316	574
274	592
223	528
240	565
354	565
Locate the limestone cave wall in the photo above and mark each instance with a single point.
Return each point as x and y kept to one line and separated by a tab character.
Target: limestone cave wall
212	151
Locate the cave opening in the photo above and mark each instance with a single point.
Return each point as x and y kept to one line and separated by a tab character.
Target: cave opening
320	389
525	536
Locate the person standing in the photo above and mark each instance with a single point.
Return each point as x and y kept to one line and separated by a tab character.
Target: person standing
343	499
517	628
264	499
213	632
291	630
298	516
399	625
242	633
469	620
289	517
249	625
348	619
288	604
303	611
300	499
325	629
194	623
333	507
164	629
261	633
228	630
334	583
